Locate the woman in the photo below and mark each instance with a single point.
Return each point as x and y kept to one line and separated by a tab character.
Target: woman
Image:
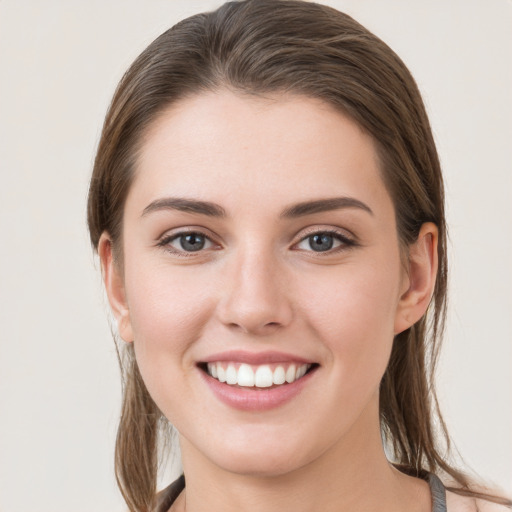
267	205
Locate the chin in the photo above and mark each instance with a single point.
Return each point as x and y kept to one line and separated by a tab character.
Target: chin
260	465
261	456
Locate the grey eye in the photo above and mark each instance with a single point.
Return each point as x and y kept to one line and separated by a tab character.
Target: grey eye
321	242
190	242
324	241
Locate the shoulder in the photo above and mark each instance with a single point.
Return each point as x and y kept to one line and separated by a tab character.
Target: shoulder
457	503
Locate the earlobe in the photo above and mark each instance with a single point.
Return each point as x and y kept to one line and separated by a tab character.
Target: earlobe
421	278
114	286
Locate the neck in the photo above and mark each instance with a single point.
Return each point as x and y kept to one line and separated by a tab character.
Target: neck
353	475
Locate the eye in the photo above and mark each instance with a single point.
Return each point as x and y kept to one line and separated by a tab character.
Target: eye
324	241
191	241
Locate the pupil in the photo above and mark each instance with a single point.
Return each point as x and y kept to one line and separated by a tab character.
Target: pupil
322	242
192	242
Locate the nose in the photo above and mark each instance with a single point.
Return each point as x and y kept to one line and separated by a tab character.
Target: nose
255	298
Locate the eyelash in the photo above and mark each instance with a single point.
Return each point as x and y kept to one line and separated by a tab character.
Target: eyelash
346	242
166	241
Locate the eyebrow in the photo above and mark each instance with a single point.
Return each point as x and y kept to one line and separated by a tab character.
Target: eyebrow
324	205
186	205
214	210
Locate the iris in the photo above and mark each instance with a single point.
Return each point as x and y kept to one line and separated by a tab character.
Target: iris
321	242
192	242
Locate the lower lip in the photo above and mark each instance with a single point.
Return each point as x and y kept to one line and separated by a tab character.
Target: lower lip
256	399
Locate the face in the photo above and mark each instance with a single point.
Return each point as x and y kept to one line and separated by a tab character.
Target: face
260	248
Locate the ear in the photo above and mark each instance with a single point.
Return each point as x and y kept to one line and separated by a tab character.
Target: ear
419	278
114	286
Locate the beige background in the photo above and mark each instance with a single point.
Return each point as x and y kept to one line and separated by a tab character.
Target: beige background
59	385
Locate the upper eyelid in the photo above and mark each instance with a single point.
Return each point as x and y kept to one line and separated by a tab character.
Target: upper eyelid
344	233
164	242
347	242
171	234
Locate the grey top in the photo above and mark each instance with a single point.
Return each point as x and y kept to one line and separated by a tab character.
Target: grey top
169	494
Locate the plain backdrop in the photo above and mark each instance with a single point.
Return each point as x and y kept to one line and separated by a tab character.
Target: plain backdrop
59	381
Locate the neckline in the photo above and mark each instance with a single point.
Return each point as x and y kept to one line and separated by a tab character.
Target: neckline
437	491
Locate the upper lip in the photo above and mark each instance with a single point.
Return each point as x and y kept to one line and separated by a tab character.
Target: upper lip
255	358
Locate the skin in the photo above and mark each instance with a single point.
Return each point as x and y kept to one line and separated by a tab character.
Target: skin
258	285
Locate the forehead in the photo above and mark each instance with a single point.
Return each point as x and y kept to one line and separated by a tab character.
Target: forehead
224	147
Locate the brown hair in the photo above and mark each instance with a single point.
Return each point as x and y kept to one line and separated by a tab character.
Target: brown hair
265	46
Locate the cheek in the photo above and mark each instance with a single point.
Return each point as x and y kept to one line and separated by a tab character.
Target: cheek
168	314
163	305
353	312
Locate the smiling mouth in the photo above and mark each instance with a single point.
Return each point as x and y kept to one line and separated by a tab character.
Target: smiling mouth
257	376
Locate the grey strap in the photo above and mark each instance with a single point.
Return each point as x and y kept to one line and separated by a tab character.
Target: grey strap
167	497
438	493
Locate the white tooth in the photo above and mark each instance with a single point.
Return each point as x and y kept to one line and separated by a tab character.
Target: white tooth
221	373
301	371
209	368
213	370
279	376
245	376
263	377
231	374
290	374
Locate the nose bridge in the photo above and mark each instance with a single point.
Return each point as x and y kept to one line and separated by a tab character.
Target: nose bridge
255	298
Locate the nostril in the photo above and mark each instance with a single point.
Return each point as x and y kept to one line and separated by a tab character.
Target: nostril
254	304
253	327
